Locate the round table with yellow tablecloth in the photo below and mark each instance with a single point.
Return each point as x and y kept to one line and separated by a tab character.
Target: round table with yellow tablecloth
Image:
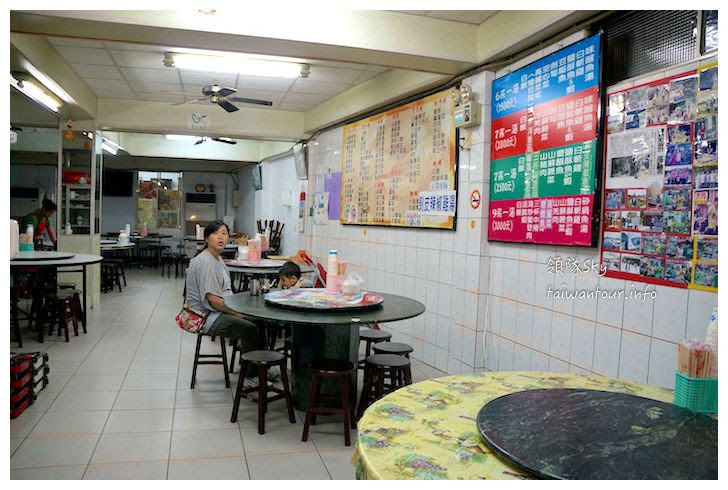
428	430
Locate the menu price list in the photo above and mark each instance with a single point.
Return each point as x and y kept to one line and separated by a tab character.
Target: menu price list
398	168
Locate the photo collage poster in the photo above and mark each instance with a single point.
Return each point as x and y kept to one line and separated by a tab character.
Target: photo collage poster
157	206
398	167
545	123
660	212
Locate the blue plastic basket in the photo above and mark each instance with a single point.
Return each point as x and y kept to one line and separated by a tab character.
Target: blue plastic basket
696	394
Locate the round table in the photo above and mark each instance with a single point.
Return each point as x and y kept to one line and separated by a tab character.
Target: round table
50	262
114	247
152	237
428	430
323	334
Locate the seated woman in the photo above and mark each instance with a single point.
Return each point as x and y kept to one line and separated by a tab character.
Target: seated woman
208	283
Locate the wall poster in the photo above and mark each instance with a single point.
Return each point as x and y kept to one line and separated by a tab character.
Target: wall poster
398	167
661	182
544	158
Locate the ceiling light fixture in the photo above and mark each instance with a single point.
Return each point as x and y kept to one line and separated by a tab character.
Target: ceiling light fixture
181	137
236	64
108	148
49	84
22	82
113	144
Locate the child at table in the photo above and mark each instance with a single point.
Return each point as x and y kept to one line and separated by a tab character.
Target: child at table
289	277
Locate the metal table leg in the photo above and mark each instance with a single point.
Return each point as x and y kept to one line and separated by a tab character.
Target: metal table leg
39	297
83	292
14	306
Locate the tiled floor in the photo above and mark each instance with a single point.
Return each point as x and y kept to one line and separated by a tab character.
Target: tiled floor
119	406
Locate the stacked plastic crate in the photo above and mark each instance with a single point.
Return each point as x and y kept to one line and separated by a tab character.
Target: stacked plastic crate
28	376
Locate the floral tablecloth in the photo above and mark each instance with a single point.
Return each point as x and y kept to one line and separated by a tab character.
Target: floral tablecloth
428	430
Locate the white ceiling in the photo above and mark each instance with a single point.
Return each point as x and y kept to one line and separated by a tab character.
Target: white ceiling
475	17
135	71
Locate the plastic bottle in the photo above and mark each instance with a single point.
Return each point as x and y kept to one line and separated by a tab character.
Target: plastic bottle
332	271
332	268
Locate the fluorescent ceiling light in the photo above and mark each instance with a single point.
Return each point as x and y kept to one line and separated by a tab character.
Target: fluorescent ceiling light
109	149
235	64
181	137
36	93
113	144
49	84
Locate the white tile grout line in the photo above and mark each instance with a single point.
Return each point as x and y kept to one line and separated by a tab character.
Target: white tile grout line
138	290
125	374
174	405
61	390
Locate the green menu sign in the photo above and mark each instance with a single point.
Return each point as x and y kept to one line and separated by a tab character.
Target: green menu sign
566	170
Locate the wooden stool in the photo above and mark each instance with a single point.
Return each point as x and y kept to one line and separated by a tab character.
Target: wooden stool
371	336
376	368
119	270
222	356
335	369
395	348
110	275
62	305
262	360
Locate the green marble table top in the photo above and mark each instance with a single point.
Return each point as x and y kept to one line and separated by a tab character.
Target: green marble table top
393	308
592	434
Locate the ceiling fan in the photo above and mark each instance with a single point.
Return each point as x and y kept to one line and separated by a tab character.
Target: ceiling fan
222	96
221	139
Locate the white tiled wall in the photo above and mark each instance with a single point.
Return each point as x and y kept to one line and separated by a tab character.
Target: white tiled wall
487	303
619	337
448	271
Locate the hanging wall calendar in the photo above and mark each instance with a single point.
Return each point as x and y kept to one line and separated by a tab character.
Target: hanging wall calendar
398	167
544	155
661	182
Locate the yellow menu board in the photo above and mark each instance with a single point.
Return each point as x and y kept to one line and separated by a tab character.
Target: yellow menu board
398	167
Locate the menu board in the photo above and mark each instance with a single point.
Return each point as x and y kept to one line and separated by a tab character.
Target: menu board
661	182
398	167
544	158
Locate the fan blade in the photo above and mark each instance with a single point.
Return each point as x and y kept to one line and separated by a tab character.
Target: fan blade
191	101
251	101
225	91
188	94
227	106
225	140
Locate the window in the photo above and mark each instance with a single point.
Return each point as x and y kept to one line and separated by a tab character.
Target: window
640	42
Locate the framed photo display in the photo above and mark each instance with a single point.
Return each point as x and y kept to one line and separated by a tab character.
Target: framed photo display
661	182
